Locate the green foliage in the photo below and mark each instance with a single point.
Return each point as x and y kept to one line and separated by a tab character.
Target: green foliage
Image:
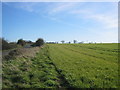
30	73
65	65
6	45
21	42
39	42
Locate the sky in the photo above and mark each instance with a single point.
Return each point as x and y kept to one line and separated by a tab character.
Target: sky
56	21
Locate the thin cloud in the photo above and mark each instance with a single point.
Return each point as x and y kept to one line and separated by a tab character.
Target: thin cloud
27	6
109	21
51	9
59	7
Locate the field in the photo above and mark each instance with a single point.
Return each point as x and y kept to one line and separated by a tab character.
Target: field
65	66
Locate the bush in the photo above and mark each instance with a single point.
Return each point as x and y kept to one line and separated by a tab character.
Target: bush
39	42
6	45
21	42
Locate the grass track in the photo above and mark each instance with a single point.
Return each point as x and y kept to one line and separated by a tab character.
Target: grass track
65	65
84	68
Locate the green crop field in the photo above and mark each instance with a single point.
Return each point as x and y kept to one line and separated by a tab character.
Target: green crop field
66	66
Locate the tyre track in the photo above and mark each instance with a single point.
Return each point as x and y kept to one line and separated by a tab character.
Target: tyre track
86	54
63	82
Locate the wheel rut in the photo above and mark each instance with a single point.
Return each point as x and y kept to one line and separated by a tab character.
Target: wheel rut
63	83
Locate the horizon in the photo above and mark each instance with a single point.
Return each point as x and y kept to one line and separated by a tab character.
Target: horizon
53	21
71	41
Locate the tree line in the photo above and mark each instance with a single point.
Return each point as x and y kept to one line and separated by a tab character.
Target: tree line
23	43
20	43
74	41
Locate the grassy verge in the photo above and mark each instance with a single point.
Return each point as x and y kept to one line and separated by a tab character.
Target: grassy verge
38	72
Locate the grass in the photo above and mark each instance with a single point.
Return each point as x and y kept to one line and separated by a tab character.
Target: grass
30	73
65	65
87	65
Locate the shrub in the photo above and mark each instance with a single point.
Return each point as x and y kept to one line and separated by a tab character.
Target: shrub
21	42
6	45
39	42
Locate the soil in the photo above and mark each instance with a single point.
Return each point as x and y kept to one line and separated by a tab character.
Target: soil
21	52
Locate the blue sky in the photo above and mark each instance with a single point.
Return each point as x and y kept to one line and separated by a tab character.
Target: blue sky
53	21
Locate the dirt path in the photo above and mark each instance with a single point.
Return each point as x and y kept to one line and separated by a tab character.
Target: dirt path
28	52
21	52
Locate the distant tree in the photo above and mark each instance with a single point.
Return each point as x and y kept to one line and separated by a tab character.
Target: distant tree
74	41
21	42
69	42
13	45
90	42
81	42
39	42
29	42
62	41
6	45
52	42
